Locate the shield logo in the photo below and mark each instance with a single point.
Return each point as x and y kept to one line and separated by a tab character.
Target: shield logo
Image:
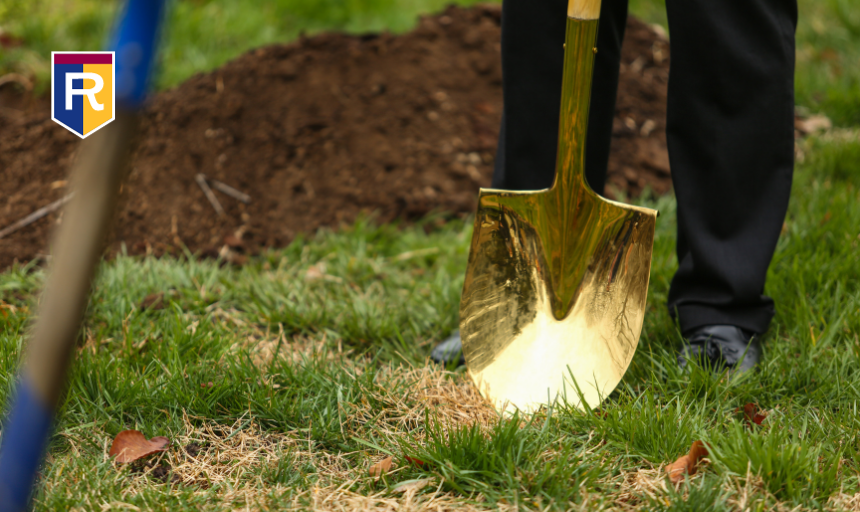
82	90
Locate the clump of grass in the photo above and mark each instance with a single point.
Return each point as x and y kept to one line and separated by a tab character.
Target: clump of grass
524	464
707	493
794	463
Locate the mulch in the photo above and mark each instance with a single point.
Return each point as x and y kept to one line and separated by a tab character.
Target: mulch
318	132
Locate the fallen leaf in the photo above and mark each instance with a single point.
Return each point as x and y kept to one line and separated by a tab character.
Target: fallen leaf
753	415
153	301
9	41
381	467
413	460
687	464
412	485
131	445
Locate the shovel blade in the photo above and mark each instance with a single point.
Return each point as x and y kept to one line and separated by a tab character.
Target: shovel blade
554	295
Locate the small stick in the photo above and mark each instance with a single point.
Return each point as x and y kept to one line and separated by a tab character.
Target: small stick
201	180
230	191
21	80
38	214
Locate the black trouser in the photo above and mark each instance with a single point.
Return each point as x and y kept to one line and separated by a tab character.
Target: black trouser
729	129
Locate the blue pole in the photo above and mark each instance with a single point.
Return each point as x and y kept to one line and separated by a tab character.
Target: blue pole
135	46
31	412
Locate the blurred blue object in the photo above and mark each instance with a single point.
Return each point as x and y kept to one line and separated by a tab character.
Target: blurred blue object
28	426
135	45
24	440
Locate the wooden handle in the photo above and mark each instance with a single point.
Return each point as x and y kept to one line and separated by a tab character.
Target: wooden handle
584	9
78	244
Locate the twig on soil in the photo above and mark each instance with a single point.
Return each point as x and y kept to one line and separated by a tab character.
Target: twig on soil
201	180
230	191
38	214
16	78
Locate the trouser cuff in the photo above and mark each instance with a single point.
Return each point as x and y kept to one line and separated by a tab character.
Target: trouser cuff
693	316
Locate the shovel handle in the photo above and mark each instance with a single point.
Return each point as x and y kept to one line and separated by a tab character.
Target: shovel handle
96	177
584	9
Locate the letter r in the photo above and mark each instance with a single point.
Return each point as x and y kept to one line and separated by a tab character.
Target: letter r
89	93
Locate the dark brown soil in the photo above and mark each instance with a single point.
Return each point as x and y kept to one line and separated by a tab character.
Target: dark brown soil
317	132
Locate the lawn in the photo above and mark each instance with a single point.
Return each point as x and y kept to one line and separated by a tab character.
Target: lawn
281	382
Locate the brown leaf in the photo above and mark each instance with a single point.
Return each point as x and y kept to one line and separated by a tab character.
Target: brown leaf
413	460
381	467
131	445
153	301
687	464
9	41
753	415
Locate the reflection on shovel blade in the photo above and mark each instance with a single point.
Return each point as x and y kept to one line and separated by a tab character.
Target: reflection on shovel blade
536	311
557	279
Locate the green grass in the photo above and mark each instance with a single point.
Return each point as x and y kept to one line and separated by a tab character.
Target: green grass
828	55
319	377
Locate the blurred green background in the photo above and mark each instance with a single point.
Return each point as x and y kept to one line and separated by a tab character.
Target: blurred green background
203	34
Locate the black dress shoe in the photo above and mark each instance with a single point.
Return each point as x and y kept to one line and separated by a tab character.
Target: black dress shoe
721	347
449	351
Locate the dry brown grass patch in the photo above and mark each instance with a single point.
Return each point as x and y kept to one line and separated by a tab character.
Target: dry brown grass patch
230	462
226	464
409	395
338	499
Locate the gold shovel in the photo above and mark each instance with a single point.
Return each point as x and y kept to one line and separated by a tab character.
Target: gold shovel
555	290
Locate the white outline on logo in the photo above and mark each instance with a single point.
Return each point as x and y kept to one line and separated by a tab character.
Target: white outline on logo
113	95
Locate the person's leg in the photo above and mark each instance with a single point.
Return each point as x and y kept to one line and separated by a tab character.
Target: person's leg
532	65
731	149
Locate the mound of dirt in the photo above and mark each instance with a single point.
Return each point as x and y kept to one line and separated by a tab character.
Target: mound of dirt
318	131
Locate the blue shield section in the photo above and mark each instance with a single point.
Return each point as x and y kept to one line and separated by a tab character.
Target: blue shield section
73	119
